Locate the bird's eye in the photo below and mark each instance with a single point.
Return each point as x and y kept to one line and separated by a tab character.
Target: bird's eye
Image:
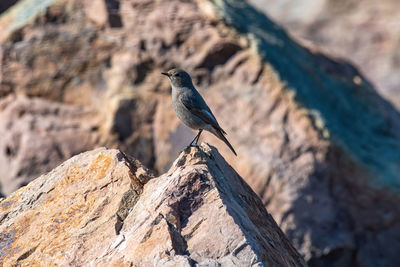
177	75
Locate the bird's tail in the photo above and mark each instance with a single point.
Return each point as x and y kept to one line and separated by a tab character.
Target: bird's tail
220	134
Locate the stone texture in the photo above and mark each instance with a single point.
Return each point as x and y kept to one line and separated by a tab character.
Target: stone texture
101	208
366	32
5	4
315	141
37	135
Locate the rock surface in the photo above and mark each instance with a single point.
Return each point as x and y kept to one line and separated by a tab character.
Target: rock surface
315	141
5	4
366	32
39	134
101	208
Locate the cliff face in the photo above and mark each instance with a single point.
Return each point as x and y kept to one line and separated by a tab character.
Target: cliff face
102	208
315	141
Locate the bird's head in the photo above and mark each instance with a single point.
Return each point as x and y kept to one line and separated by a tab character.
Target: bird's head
178	77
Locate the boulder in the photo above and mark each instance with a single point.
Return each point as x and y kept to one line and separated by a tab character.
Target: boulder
363	32
37	135
102	208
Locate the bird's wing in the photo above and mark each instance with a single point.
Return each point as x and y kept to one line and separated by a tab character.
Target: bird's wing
198	107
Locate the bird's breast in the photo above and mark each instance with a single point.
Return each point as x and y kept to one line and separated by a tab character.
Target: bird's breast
185	115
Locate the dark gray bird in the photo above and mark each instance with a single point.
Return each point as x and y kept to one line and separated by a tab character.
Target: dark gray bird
191	108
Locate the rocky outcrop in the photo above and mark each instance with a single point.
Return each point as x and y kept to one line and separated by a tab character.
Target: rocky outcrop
362	31
37	135
315	141
101	208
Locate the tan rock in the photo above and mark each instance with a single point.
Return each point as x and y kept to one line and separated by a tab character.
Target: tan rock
101	208
96	10
37	135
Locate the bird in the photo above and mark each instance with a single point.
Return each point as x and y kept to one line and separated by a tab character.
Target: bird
191	108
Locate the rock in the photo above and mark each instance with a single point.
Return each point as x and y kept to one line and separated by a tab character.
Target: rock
327	179
363	31
5	4
102	208
37	135
12	21
315	141
96	11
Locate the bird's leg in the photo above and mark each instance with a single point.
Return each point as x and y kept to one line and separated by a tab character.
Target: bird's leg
196	138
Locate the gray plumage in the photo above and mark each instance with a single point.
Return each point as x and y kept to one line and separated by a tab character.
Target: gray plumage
191	108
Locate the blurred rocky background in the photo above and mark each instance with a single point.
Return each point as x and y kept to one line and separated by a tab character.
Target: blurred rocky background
315	140
364	32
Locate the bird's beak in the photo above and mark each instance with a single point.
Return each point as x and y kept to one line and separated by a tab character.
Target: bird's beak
165	73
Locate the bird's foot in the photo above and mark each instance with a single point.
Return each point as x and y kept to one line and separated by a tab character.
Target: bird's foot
191	145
